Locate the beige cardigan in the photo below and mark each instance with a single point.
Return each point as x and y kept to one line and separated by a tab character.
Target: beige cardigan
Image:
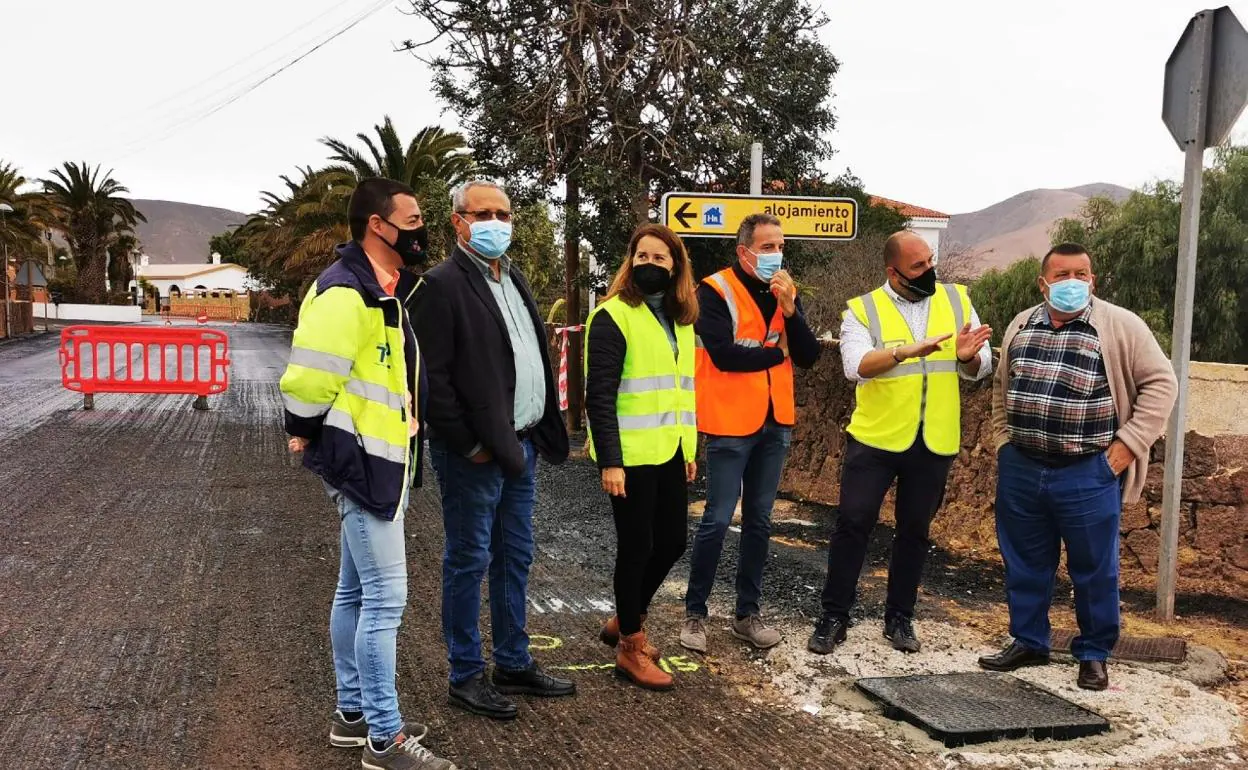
1141	382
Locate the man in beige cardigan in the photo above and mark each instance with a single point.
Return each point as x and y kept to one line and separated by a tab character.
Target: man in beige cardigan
1081	393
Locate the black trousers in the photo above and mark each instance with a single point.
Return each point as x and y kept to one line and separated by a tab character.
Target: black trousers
866	475
651	526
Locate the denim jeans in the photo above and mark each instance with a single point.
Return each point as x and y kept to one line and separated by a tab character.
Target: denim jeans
364	620
1038	508
488	519
746	468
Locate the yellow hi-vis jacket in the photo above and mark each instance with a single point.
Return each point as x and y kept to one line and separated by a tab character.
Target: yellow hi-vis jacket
353	361
891	406
655	407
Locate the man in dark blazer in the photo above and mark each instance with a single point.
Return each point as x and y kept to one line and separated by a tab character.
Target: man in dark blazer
492	410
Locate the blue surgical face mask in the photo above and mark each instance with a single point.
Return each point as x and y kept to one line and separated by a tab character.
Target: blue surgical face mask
1069	296
490	238
768	264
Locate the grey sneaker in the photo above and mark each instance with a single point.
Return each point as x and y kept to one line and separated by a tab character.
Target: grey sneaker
752	629
693	634
353	735
403	754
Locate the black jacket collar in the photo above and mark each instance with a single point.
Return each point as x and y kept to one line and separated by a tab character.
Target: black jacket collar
750	282
356	261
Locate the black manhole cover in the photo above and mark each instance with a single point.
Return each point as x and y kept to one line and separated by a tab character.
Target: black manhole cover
958	709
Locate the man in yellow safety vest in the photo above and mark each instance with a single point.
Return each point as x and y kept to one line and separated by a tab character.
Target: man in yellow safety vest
905	345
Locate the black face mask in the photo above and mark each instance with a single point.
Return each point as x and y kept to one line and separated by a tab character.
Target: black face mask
923	284
651	279
412	245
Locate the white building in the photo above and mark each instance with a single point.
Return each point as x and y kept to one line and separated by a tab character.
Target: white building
926	223
183	279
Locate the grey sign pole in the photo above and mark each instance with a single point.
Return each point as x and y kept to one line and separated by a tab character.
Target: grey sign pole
1184	295
756	168
1206	88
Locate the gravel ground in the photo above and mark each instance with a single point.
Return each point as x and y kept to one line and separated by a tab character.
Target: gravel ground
165	578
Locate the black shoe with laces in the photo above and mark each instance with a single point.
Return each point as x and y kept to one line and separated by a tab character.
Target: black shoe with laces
478	696
532	681
899	630
829	632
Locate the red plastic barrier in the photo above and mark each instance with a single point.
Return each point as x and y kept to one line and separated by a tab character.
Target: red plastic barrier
145	359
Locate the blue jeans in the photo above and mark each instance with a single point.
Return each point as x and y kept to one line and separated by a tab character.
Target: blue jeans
1038	508
488	519
747	468
364	620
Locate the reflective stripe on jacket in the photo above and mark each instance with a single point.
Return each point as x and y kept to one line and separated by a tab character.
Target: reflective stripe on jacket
353	361
891	406
655	404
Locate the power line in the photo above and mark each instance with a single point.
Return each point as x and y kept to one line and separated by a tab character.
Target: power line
163	105
146	144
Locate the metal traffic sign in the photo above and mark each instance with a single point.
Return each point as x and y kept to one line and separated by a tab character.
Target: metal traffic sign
1206	87
713	215
1210	61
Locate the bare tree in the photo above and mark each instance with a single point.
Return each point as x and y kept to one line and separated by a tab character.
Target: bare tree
850	269
621	100
959	263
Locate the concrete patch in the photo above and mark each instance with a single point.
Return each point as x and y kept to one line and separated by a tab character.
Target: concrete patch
1155	715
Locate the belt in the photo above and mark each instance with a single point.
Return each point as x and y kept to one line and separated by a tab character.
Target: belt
1055	460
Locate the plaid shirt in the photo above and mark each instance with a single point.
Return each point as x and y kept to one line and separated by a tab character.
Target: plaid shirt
1058	401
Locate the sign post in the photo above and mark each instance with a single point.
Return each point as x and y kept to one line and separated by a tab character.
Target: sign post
1206	87
714	215
756	168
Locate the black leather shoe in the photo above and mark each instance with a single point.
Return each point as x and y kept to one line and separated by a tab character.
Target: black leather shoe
1093	675
478	696
899	630
829	632
1014	657
532	681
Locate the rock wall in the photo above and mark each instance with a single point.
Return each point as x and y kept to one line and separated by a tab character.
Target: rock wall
1213	554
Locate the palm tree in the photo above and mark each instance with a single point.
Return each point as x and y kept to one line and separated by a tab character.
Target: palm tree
295	233
25	229
121	255
92	215
434	154
292	238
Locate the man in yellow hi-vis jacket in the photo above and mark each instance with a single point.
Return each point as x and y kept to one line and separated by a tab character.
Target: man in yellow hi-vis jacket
905	345
354	397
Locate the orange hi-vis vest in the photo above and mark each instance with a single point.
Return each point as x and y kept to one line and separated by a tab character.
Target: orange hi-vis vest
736	403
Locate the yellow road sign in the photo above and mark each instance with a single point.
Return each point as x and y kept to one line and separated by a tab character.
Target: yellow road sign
708	215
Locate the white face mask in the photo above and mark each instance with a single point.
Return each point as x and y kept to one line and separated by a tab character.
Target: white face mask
767	265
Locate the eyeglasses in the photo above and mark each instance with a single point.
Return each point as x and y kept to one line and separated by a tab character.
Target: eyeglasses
501	215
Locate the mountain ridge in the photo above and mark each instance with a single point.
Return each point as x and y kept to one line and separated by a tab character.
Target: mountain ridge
1017	227
178	232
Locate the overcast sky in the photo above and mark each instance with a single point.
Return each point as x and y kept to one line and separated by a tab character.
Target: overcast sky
951	105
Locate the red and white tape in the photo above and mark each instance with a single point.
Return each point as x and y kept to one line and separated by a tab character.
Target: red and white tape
562	331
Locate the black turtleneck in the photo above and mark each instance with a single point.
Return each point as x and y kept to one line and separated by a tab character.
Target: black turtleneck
714	326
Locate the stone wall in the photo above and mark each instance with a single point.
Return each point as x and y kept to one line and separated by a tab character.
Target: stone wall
1213	555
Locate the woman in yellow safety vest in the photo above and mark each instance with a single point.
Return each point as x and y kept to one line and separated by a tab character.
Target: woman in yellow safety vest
639	398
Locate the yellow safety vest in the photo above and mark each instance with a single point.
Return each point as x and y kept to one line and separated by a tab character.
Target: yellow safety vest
655	405
891	406
347	370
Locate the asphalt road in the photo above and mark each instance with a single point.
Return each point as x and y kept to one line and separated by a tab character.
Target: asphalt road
165	579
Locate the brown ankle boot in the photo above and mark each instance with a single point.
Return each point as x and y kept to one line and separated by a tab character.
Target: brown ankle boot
633	664
610	636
